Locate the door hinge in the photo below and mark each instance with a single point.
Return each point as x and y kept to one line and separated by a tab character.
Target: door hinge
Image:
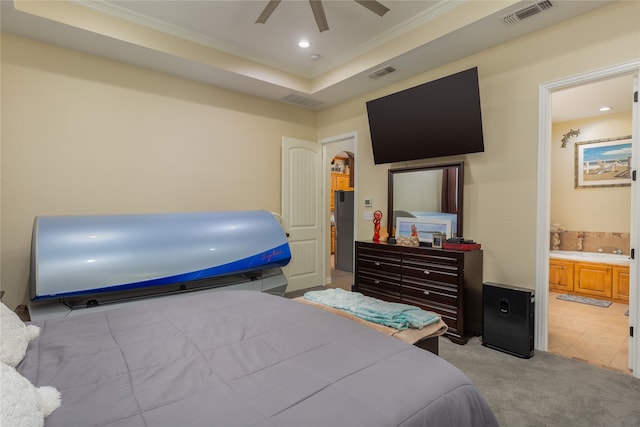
631	331
632	255
633	175
635	96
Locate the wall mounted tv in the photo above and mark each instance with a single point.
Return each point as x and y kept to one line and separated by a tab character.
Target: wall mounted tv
435	119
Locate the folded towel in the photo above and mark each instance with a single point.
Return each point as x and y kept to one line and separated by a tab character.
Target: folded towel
395	315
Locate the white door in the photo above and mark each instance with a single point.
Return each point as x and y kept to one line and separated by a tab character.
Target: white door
634	273
302	211
332	146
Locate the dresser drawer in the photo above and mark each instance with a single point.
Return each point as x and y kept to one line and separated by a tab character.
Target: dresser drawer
379	260
379	264
378	282
430	273
451	260
445	295
374	278
364	251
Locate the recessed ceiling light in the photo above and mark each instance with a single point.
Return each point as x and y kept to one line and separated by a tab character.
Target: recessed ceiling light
314	57
304	43
605	108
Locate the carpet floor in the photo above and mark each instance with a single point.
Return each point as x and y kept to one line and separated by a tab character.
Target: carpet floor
547	390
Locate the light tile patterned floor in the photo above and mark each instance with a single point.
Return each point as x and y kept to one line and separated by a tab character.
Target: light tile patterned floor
585	332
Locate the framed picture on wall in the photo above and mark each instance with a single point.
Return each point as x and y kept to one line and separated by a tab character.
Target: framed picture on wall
425	227
603	163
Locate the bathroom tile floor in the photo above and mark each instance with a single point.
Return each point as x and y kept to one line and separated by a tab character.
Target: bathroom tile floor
596	335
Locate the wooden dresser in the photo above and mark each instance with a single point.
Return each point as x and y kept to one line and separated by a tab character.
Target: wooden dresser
443	281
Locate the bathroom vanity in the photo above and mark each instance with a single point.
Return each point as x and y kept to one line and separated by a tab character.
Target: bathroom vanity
608	281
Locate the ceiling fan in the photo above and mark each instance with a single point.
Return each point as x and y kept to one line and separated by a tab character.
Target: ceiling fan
318	11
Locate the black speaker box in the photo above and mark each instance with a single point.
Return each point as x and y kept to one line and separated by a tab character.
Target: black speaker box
508	319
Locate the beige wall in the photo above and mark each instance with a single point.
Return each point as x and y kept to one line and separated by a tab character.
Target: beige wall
81	134
86	135
587	209
500	191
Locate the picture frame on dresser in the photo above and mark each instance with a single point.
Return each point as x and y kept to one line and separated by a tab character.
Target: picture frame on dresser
438	239
426	227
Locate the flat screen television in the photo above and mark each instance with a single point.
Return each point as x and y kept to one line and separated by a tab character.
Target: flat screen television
435	119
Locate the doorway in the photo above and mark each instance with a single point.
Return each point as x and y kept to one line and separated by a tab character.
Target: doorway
544	204
339	163
341	215
590	222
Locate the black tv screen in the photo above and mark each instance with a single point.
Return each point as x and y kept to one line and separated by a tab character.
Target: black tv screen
435	119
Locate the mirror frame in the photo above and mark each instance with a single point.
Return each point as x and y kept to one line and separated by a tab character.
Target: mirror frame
460	187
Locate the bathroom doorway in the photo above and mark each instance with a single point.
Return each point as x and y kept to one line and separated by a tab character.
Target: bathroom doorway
590	222
545	183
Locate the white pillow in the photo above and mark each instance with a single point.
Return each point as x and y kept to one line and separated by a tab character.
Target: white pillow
15	336
21	403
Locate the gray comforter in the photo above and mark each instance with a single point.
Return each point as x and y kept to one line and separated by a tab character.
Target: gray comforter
242	358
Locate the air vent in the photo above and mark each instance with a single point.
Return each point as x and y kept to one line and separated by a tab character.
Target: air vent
381	72
527	12
301	100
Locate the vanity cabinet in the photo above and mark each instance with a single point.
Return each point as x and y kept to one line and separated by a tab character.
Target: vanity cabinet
446	282
590	279
560	275
620	284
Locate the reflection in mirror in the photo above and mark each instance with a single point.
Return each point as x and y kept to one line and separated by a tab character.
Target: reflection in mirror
427	192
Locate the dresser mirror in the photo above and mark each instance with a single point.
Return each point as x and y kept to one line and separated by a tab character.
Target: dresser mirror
427	192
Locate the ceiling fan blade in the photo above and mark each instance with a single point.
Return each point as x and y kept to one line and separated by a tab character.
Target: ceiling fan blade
268	10
374	6
318	13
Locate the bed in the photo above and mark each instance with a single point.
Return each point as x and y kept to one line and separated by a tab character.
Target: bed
241	358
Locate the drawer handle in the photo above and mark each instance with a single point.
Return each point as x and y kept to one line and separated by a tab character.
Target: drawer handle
426	272
377	282
426	292
376	263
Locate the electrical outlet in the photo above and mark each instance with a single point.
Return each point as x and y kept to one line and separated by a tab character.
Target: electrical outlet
368	202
